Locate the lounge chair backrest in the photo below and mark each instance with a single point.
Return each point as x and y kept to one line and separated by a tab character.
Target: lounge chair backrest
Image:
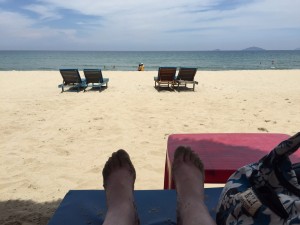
187	74
166	73
70	76
93	75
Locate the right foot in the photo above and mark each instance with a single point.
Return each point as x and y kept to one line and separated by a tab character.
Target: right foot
188	172
118	181
188	175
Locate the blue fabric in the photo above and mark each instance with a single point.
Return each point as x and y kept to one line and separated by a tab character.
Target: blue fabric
81	207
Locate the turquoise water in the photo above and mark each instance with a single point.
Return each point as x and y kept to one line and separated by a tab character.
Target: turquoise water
128	61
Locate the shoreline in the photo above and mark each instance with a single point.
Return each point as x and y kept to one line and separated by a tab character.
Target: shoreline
118	71
53	142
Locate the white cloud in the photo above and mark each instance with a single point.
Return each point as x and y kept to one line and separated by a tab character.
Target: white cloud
11	22
44	11
20	32
158	25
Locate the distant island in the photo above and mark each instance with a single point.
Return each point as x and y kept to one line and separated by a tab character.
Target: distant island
297	49
253	49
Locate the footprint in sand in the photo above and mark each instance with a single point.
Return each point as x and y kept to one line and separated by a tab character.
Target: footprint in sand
287	99
31	186
95	170
262	129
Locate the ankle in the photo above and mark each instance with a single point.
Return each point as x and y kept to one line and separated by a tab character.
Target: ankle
122	213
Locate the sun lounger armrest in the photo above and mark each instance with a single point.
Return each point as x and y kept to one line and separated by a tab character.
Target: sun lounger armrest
105	80
186	82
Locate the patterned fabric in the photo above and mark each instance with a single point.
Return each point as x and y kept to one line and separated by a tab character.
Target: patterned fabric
266	192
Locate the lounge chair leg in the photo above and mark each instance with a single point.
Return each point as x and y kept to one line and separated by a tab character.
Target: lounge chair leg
193	86
62	89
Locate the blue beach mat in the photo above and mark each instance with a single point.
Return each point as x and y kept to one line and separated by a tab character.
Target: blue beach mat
156	207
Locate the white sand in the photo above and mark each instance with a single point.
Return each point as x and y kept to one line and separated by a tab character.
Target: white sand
52	142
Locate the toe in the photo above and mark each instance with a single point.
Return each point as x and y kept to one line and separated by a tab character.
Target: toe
179	153
123	157
119	160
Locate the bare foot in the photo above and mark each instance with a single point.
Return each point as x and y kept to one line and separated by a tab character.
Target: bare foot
188	175
118	181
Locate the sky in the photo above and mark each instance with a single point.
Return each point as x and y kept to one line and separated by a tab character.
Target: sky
149	25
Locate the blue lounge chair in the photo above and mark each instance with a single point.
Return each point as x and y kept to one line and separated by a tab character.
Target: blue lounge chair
154	206
166	76
71	77
186	76
94	77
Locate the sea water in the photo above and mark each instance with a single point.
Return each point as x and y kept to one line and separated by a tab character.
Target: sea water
129	60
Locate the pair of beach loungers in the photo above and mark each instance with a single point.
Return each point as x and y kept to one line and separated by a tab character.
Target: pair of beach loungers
71	77
167	77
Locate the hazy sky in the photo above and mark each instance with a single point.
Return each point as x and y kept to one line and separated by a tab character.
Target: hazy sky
149	24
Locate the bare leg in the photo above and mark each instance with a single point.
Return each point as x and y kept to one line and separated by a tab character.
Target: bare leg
118	181
188	174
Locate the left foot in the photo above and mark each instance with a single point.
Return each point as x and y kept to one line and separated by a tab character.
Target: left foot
118	181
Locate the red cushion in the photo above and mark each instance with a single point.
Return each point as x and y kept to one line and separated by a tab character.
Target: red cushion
223	153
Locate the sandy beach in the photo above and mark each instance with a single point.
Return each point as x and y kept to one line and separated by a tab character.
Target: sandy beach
52	142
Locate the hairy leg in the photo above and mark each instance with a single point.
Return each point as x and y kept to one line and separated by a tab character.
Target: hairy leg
118	181
188	175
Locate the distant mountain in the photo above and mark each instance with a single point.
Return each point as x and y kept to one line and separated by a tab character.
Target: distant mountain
253	49
297	49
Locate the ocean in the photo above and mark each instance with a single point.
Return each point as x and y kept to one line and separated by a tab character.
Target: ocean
129	60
